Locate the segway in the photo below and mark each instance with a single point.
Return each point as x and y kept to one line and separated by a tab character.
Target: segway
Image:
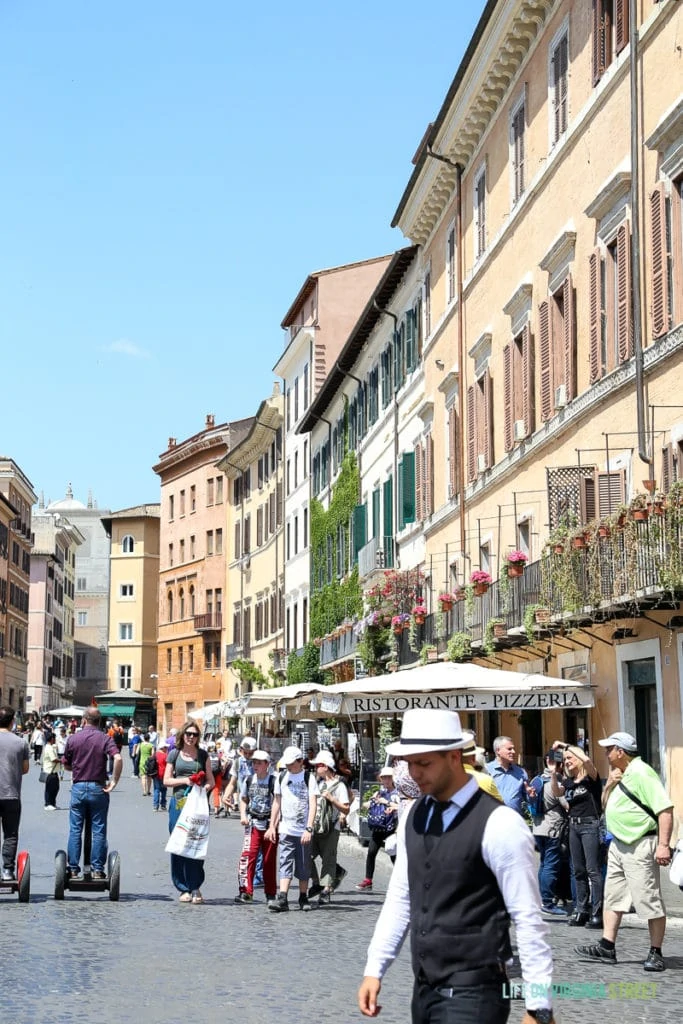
22	883
86	883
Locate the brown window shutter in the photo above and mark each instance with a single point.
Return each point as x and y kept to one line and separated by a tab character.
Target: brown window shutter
594	316
610	491
452	452
238	550
429	476
667	468
508	411
546	368
471	434
621	24
598	44
528	382
278	505
419	489
659	257
624	317
569	337
587	498
259	527
486	442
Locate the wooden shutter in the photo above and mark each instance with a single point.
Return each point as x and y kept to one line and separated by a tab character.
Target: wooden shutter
587	498
278	505
659	258
508	409
247	535
598	46
359	530
610	491
528	382
667	468
471	435
238	547
560	80
621	24
408	488
546	366
486	419
624	312
419	489
429	476
453	454
594	317
569	337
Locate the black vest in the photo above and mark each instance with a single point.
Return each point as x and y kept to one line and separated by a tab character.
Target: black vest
459	925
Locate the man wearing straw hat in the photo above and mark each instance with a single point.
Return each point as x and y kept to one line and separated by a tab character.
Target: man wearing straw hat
465	865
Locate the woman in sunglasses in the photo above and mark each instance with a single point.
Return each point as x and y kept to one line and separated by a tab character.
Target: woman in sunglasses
187	759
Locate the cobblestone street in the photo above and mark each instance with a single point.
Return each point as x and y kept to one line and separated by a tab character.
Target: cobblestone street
148	958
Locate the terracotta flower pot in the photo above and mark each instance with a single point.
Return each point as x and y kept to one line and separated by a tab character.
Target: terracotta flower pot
603	531
480	589
558	549
419	619
446	606
640	515
541	616
578	543
499	630
515	569
659	509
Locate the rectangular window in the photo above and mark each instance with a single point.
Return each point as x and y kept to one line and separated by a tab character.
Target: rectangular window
296	399
306	395
305	460
182	503
81	583
289	476
480	213
557	349
219	490
296	535
181	551
125	677
517	151
125	630
192	546
296	469
125	590
427	303
193	498
180	659
450	265
559	88
170	554
209	543
259	526
190	658
209	491
237	553
289	541
518	389
289	408
169	659
171	506
219	542
480	426
246	538
610	33
305	537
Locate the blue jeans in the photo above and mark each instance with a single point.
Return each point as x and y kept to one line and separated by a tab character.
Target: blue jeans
186	874
88	799
549	867
159	796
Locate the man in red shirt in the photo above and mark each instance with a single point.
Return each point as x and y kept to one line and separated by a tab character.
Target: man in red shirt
85	757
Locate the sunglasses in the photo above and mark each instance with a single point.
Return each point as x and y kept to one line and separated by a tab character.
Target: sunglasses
194	735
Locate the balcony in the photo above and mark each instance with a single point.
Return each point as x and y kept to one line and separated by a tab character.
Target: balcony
376	555
279	660
338	648
232	653
208	623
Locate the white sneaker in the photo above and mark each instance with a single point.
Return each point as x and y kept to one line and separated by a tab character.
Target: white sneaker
50	807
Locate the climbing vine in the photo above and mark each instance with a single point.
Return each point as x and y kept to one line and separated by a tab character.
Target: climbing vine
333	599
304	667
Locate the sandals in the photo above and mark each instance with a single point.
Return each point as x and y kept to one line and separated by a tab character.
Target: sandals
185	897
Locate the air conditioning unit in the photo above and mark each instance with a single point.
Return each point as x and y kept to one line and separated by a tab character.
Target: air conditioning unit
481	463
561	396
519	430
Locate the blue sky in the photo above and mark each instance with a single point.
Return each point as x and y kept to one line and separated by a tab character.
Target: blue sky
170	174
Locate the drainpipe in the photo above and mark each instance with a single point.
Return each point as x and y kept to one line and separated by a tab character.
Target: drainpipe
393	316
636	296
461	356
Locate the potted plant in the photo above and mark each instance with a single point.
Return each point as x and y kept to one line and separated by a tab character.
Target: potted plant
639	508
459	647
658	503
400	622
516	562
481	581
429	652
534	615
447	599
420	612
494	630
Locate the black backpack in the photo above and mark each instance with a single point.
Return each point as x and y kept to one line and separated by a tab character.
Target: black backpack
152	766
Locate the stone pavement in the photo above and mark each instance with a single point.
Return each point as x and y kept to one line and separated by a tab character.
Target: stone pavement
152	960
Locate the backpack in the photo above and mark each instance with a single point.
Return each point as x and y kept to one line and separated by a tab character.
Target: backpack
380	819
152	766
326	815
215	762
271	789
283	772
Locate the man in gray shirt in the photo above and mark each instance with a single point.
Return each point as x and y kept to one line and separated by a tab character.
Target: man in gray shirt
14	762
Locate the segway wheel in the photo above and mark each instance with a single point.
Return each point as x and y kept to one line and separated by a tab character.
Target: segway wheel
114	875
24	876
60	874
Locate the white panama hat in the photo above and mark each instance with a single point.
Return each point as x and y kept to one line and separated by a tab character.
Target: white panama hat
425	730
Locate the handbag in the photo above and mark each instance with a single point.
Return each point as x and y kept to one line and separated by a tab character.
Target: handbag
190	837
676	866
380	819
43	776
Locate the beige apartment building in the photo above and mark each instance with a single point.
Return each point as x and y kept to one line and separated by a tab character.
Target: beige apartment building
7	514
548	206
18	497
133	598
255	571
192	570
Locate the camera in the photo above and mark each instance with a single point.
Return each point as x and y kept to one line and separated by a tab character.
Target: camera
558	756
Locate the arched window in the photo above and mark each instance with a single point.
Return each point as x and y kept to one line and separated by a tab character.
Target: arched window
128	545
169	605
191	600
181	598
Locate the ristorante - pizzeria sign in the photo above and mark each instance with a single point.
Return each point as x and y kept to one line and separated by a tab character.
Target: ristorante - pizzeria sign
397	703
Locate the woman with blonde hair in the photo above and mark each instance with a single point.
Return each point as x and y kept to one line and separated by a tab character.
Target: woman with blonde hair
183	762
582	789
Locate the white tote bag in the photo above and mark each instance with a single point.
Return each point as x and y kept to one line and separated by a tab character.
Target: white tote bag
190	837
676	868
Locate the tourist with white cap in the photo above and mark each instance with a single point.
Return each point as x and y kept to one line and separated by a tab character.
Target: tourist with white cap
383	811
639	815
295	803
333	801
465	865
256	804
240	769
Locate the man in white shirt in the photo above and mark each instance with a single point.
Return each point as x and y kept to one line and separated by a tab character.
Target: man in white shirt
465	865
295	802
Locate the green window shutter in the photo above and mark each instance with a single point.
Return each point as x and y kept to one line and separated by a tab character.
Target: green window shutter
411	348
359	522
388	542
399	483
375	513
407	492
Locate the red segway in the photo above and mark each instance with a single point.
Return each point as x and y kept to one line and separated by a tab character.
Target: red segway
111	883
22	883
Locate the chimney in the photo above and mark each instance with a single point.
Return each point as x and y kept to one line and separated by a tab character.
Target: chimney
172	442
210	421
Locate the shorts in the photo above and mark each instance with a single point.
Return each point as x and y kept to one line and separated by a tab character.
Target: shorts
633	878
294	858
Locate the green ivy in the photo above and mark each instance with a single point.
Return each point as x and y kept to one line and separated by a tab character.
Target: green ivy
250	673
304	667
343	598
